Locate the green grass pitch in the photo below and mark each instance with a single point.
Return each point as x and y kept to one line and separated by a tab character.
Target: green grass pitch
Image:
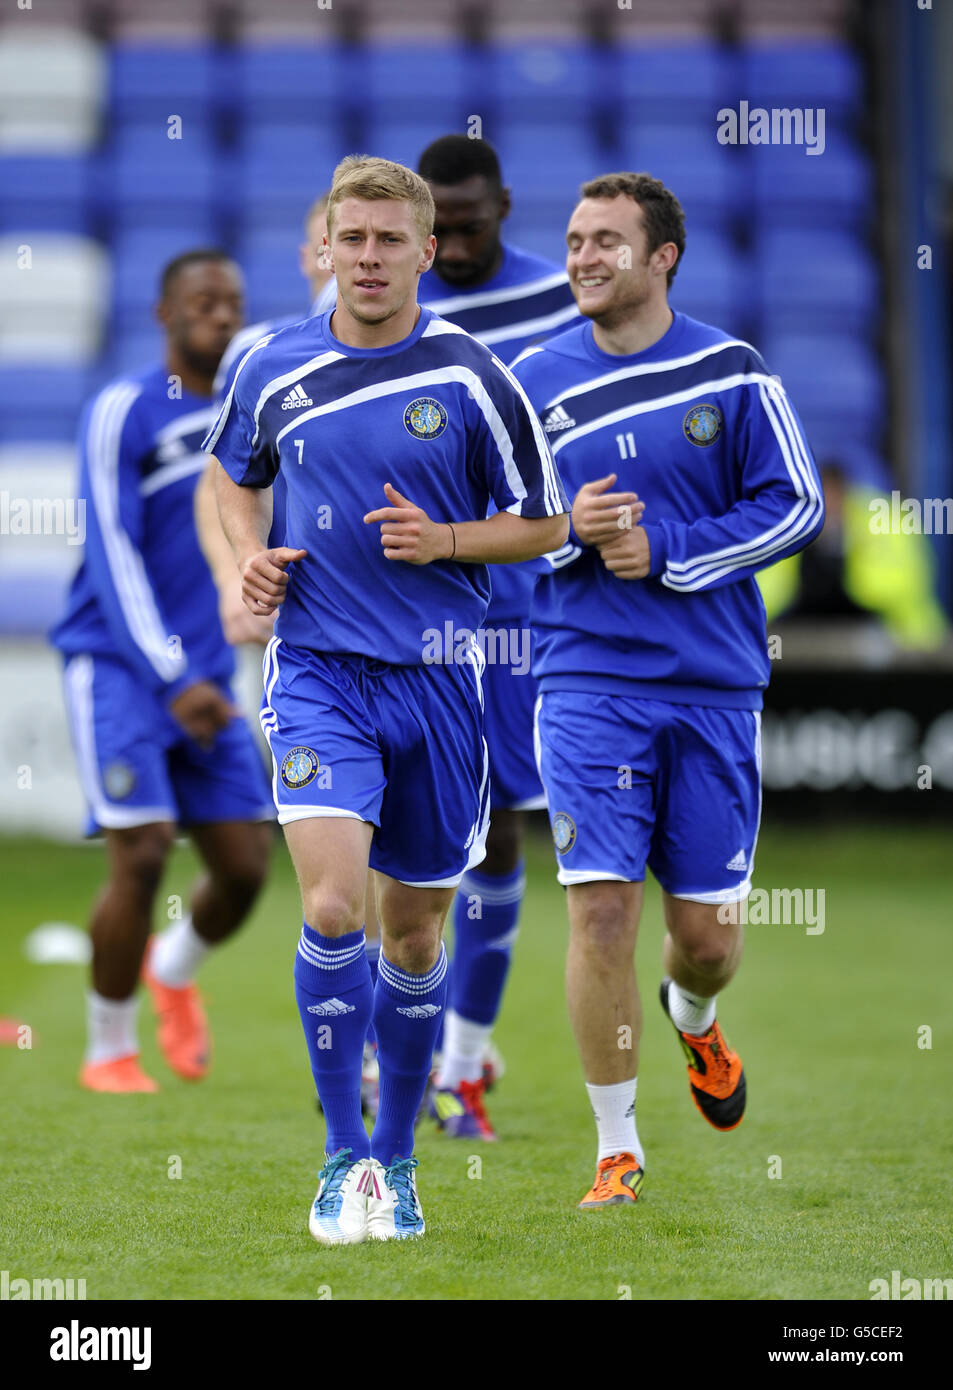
845	1104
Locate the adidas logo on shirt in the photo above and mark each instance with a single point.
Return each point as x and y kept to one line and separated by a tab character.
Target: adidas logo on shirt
420	1010
331	1006
558	420
739	862
295	399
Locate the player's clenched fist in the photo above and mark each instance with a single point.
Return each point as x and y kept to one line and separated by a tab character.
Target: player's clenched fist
203	710
627	554
264	581
407	533
599	516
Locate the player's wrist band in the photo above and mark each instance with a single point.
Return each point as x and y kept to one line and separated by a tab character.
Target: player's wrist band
454	535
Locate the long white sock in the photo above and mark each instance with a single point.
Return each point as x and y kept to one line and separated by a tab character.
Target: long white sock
177	954
614	1109
691	1013
110	1027
464	1044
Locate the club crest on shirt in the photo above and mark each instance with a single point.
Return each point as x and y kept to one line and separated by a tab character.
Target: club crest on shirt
425	418
118	780
564	832
299	767
702	424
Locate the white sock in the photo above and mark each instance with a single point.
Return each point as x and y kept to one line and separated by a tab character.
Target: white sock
177	954
110	1027
691	1013
464	1044
614	1109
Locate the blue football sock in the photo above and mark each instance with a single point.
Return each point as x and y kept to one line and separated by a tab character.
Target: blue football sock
485	915
407	1009
335	998
373	949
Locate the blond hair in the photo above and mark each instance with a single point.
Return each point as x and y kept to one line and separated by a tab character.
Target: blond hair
373	180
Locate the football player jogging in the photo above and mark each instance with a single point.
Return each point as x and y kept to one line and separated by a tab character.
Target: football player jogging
157	737
688	471
394	432
507	299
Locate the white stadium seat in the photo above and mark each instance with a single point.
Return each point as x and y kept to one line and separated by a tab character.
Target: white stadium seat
55	293
52	90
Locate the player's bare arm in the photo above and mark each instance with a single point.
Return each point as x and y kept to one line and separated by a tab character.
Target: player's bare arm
245	514
598	516
408	533
238	624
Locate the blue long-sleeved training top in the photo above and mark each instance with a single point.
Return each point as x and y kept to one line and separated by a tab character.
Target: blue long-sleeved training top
707	438
143	592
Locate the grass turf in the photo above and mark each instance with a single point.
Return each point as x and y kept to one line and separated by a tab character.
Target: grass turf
840	1092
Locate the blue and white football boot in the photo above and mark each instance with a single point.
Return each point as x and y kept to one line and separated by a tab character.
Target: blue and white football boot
393	1206
339	1211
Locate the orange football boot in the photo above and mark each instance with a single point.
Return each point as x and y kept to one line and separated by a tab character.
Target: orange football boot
183	1029
715	1073
118	1074
618	1179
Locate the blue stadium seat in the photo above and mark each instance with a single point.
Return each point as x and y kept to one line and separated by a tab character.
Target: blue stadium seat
154	80
280	170
274	283
706	177
41	403
140	253
712	283
811	277
547	163
544	237
681	82
301	82
48	193
133	344
836	382
790	186
430	82
402	140
146	173
806	74
535	81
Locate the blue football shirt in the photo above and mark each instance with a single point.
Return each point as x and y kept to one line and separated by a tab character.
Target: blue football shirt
436	415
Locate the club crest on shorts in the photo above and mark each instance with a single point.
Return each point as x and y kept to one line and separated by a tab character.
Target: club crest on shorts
298	768
702	424
425	418
118	780
564	832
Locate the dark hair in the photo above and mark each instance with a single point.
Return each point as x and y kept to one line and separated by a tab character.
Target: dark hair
454	158
187	258
661	211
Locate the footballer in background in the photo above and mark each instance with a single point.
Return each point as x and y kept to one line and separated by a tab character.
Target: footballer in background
506	298
158	739
652	652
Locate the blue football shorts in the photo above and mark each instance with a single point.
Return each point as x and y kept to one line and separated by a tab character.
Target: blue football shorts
634	782
137	765
510	697
401	747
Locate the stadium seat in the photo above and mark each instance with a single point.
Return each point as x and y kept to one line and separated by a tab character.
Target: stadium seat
51	90
274	283
428	81
300	82
794	188
810	277
133	344
139	255
167	179
804	74
45	194
150	81
280	170
54	307
547	163
41	402
705	177
681	82
712	283
836	382
173	20
546	237
538	81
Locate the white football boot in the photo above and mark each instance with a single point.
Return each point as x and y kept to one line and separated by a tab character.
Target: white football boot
339	1211
393	1206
